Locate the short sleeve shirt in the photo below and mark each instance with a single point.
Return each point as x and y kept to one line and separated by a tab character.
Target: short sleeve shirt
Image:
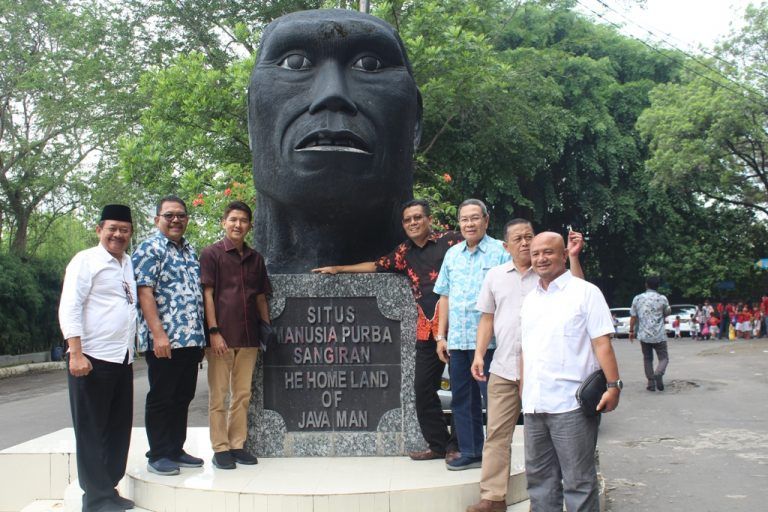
559	324
502	294
421	265
236	281
460	278
650	308
173	273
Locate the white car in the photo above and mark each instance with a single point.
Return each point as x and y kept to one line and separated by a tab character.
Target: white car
622	321
684	311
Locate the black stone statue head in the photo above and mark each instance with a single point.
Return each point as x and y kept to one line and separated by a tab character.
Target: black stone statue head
334	117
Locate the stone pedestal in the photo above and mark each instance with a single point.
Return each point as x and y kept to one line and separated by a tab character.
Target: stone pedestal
339	381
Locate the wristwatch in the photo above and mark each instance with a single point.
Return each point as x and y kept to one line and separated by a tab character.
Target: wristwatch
439	337
616	384
214	330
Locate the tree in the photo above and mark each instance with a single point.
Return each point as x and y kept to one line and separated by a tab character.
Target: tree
708	133
220	30
65	94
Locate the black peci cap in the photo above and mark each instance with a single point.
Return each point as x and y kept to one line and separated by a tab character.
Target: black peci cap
116	212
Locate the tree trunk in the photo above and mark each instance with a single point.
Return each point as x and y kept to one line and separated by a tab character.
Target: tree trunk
19	241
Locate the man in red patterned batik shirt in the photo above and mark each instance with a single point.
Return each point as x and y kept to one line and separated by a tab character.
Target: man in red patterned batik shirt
420	258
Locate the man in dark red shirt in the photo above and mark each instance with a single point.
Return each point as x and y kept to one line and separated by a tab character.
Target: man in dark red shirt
235	291
419	258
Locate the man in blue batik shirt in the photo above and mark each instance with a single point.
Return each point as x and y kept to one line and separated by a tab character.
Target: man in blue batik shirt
458	285
170	334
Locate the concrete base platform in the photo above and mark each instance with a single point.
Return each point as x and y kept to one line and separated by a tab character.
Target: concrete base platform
44	468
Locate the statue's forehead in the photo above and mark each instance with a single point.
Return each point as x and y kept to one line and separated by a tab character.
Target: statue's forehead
303	31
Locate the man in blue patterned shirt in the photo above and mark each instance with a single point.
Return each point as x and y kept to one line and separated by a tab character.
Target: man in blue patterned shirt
170	334
648	312
458	285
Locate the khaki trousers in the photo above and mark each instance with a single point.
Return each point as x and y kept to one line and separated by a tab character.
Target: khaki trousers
503	411
229	375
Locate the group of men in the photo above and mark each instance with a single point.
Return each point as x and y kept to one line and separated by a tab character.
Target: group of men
180	305
497	311
510	309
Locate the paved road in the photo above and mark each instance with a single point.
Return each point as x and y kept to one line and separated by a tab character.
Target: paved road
701	445
35	404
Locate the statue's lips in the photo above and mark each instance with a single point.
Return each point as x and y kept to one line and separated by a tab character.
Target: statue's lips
334	140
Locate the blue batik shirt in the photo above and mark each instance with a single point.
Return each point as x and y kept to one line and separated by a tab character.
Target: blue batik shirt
461	278
173	272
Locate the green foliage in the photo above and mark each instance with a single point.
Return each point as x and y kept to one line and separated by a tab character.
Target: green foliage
194	139
527	105
29	297
221	30
708	133
65	93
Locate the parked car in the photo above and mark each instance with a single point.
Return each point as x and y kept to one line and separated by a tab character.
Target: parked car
446	396
684	311
622	317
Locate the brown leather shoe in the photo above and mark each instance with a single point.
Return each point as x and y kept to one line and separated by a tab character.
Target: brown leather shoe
488	506
452	455
427	454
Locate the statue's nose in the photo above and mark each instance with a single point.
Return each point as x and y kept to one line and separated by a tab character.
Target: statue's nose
330	90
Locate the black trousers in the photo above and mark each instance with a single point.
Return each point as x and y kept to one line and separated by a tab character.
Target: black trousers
102	413
172	384
428	374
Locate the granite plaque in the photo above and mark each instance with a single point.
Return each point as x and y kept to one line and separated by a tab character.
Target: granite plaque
336	365
339	381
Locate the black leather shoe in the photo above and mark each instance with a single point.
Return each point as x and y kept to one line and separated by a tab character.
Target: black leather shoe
224	460
659	382
243	457
123	503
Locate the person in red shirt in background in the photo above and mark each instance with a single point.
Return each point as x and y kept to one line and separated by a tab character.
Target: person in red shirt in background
714	326
764	310
676	326
744	323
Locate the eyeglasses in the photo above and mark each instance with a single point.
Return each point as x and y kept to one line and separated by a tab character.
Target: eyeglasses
413	218
170	216
128	294
519	239
471	220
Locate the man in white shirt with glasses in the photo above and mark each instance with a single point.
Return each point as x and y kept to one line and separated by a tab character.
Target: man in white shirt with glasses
97	315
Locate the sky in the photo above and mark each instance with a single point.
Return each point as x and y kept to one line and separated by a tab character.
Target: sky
686	24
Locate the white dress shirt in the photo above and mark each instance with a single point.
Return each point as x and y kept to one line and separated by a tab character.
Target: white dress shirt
502	294
559	324
98	304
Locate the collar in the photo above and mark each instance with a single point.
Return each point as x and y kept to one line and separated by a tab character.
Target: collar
510	267
482	245
182	243
107	257
560	283
431	238
229	246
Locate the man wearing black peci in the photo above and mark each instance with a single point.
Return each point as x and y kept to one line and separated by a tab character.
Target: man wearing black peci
97	314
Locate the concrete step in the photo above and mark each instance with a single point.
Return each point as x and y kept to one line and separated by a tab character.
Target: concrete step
45	506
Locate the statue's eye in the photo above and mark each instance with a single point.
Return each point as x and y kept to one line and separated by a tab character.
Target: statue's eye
367	63
295	61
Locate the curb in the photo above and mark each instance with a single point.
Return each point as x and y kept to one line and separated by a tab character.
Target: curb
12	371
